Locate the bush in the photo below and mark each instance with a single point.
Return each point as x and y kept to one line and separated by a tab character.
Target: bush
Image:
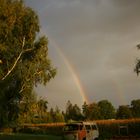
51	130
109	130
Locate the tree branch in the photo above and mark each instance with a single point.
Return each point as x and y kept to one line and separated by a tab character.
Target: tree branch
39	72
27	50
22	88
15	63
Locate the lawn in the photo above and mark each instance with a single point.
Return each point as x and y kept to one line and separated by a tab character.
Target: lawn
29	137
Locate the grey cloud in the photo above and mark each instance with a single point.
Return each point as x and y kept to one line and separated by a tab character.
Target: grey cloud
63	15
98	38
102	20
124	3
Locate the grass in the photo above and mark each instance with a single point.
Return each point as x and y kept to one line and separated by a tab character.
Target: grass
29	137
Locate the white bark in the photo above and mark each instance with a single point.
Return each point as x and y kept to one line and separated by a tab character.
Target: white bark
17	59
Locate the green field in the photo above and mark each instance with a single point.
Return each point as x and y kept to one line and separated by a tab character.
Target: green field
29	137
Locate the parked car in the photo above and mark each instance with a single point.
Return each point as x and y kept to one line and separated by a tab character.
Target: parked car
92	132
81	131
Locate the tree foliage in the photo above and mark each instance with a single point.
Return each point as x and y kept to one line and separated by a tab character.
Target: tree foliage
56	115
28	108
106	109
137	66
85	110
123	112
73	112
24	58
93	112
135	107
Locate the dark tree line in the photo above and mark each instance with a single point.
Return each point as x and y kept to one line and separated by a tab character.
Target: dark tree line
102	110
37	111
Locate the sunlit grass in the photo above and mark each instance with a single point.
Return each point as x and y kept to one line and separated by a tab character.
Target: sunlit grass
110	121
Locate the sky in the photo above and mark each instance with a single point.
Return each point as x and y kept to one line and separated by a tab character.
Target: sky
92	43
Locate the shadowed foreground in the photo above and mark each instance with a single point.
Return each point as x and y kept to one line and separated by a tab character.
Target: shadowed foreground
124	138
29	137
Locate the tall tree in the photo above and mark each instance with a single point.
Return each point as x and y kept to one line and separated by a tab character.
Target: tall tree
69	108
23	55
73	112
58	115
106	109
137	66
135	106
27	109
76	113
42	107
93	112
123	112
85	110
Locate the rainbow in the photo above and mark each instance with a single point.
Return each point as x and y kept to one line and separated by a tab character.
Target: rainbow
67	63
75	76
71	70
119	89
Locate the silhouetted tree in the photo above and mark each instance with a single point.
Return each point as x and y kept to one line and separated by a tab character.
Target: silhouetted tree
123	112
73	112
93	112
137	66
69	108
85	110
135	106
107	110
76	113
